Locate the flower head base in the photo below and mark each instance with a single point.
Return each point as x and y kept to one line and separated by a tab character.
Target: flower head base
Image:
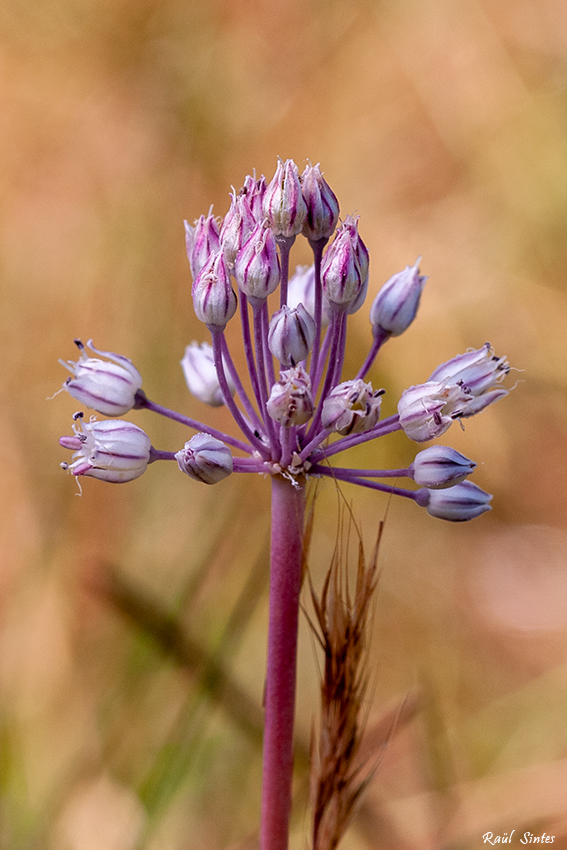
395	306
460	503
291	402
439	467
112	450
200	372
352	407
427	410
205	459
108	386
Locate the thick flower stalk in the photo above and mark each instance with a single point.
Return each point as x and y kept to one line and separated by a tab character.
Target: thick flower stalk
294	410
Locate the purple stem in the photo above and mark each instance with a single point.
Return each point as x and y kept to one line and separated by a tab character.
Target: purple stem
285	243
380	338
248	350
261	368
288	508
387	426
346	473
242	394
363	482
335	330
142	401
317	248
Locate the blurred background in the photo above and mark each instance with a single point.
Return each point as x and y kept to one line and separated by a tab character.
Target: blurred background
133	620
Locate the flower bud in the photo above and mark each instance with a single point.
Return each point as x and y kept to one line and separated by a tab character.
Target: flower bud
108	387
395	306
340	270
237	226
360	249
352	407
112	450
439	467
201	241
283	205
291	334
478	369
254	190
204	458
460	503
322	205
257	265
200	373
213	297
291	402
427	410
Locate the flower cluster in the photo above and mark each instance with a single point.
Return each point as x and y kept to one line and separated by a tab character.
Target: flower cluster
293	420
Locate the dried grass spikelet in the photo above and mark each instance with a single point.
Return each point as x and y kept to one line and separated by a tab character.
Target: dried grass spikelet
341	621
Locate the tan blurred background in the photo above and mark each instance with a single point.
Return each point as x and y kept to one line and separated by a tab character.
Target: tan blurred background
444	125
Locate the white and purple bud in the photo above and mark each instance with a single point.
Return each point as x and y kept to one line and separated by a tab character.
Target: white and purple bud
340	269
360	249
395	307
352	407
439	467
427	410
254	190
283	204
108	386
111	450
291	401
238	224
200	372
257	265
201	241
460	503
291	334
478	369
322	205
213	297
205	459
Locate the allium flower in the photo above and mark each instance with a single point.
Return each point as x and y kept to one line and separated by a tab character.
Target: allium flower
201	241
213	296
112	450
439	467
395	306
341	273
480	371
108	386
198	366
238	224
427	410
205	459
459	503
322	205
291	334
291	402
257	266
352	407
284	206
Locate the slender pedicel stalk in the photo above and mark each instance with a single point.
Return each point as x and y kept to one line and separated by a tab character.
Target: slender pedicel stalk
268	359
323	354
228	400
346	473
331	472
142	401
288	506
285	243
387	426
335	330
312	444
269	425
248	349
317	248
380	338
242	394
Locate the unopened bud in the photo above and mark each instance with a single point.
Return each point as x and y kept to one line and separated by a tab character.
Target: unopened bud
291	401
427	410
395	306
108	386
204	458
111	450
291	334
257	266
284	206
439	467
201	241
200	372
352	407
460	503
213	297
340	270
238	224
254	190
322	205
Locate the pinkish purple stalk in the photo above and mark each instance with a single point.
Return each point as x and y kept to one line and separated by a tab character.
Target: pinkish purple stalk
290	424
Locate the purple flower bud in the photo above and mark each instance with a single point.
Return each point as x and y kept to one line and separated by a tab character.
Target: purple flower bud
284	206
237	226
206	459
213	297
291	402
478	369
200	373
459	503
322	205
360	249
112	450
108	387
254	190
201	241
439	467
352	407
355	305
395	306
291	334
427	410
257	265
340	270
